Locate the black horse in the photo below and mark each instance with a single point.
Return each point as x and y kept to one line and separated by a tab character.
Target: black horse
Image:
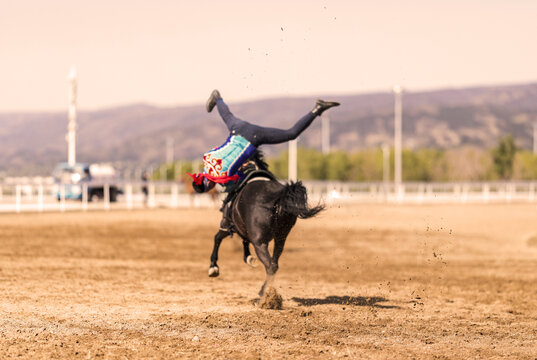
262	210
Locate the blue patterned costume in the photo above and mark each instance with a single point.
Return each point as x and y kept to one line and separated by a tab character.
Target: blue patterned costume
226	159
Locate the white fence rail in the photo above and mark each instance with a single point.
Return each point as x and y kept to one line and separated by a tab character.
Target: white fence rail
56	197
420	192
53	197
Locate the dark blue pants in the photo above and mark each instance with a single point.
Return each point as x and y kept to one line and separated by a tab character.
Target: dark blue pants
259	135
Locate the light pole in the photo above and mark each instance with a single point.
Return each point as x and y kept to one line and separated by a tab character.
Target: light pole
398	138
71	127
325	134
292	166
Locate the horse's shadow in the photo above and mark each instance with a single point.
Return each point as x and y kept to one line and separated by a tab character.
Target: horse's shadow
346	300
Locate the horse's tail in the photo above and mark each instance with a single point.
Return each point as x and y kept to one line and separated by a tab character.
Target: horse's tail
293	199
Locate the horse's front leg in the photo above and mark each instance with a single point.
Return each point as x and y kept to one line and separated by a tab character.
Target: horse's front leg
214	271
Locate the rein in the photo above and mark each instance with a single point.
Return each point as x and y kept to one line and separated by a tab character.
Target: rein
258	179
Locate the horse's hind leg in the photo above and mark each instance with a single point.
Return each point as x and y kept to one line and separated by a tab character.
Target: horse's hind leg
283	229
279	243
261	249
248	258
214	271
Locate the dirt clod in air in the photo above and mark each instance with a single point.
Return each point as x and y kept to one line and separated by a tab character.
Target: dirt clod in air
272	300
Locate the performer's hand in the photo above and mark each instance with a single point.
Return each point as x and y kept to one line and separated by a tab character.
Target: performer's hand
209	186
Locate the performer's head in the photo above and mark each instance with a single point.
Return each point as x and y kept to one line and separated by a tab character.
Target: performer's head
205	185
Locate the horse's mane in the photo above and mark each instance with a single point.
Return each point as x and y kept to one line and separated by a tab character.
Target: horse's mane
259	159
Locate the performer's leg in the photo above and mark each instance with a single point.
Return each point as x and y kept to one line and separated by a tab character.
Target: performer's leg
215	99
231	121
266	135
263	135
227	222
224	111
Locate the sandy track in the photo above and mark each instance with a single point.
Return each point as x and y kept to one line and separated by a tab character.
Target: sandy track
369	281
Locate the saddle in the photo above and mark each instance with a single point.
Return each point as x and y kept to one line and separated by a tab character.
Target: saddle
250	176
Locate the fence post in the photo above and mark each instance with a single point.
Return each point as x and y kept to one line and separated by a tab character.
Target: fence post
151	200
128	190
106	196
429	190
62	197
18	198
400	188
464	197
486	190
175	195
421	193
372	190
40	198
507	192
457	191
85	196
30	192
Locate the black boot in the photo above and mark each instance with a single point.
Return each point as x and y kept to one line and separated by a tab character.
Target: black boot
226	223
211	102
322	105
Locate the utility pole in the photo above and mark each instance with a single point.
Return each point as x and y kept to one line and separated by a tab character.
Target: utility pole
398	136
71	127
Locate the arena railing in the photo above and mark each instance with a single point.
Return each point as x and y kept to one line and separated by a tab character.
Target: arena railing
22	197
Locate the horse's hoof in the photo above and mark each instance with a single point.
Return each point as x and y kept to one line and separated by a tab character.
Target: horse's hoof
214	271
252	261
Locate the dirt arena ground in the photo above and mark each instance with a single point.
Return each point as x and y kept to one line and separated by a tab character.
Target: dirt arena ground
367	282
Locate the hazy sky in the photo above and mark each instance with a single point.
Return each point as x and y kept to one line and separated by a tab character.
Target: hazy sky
170	52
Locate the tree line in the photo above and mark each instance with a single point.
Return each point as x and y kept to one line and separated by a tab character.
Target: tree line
503	162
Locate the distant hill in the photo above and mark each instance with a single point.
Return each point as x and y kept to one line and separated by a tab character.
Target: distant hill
136	134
